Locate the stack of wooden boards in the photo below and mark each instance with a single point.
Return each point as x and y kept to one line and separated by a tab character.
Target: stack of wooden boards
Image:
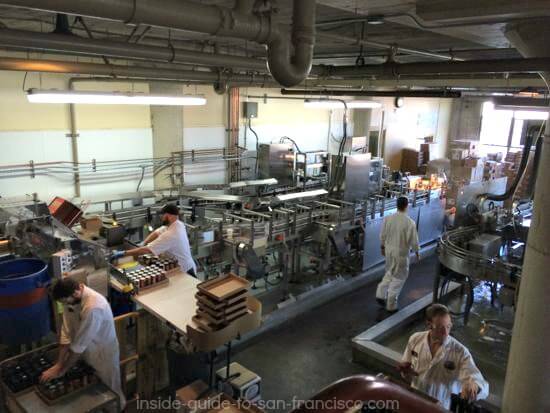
221	301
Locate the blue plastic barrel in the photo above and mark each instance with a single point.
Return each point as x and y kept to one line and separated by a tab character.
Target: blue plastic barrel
24	302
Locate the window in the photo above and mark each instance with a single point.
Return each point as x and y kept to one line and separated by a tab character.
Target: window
504	130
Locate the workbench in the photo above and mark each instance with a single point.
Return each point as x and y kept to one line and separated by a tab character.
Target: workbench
174	304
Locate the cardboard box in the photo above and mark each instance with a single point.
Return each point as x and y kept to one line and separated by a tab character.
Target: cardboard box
468	174
465	144
459	154
473	162
495	156
92	224
188	394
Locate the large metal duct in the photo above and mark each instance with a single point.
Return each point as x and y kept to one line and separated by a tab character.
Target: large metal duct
532	65
350	393
64	43
288	69
528	370
139	72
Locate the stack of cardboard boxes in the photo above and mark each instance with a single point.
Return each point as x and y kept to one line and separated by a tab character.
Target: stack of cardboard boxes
466	166
413	161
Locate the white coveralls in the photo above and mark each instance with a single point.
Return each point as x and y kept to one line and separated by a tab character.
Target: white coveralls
89	329
173	239
398	236
443	375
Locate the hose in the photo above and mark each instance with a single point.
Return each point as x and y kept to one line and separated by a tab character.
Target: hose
536	163
522	166
291	140
257	145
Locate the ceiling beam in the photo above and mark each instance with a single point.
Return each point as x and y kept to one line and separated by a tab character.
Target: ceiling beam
471	10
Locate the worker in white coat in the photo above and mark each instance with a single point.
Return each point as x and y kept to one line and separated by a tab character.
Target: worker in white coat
170	238
440	365
397	239
88	332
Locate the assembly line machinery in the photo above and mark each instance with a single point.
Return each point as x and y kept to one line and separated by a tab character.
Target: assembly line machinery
269	229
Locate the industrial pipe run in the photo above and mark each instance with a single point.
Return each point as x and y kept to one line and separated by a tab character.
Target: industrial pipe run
140	72
65	43
373	93
530	65
288	68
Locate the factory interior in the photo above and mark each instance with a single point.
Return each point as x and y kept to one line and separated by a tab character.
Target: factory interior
272	206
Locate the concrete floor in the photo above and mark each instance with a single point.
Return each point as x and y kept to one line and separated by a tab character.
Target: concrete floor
313	350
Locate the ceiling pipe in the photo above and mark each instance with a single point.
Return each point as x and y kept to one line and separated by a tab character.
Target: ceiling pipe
373	93
140	72
244	6
390	47
211	19
532	65
291	69
50	42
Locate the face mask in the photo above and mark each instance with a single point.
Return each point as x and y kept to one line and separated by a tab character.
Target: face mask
71	301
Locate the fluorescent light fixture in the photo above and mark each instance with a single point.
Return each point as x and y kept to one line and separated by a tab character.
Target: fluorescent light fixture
339	104
301	195
363	104
111	98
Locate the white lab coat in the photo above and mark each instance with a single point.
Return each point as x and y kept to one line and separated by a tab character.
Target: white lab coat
399	237
89	329
443	375
173	240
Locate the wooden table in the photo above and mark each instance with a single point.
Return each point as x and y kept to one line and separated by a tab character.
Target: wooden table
174	303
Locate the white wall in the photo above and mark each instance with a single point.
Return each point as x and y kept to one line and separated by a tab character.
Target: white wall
38	132
407	126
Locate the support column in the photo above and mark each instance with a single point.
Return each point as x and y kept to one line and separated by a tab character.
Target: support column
528	371
167	126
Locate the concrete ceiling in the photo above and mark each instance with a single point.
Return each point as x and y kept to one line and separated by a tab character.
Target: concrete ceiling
468	29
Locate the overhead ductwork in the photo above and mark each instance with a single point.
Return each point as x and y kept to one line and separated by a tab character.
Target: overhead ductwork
532	65
289	67
290	64
137	72
64	43
373	93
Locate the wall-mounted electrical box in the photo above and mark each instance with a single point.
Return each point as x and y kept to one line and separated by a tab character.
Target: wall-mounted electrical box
250	110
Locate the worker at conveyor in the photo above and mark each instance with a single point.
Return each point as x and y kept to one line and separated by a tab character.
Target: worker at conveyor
438	364
397	239
88	331
170	238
